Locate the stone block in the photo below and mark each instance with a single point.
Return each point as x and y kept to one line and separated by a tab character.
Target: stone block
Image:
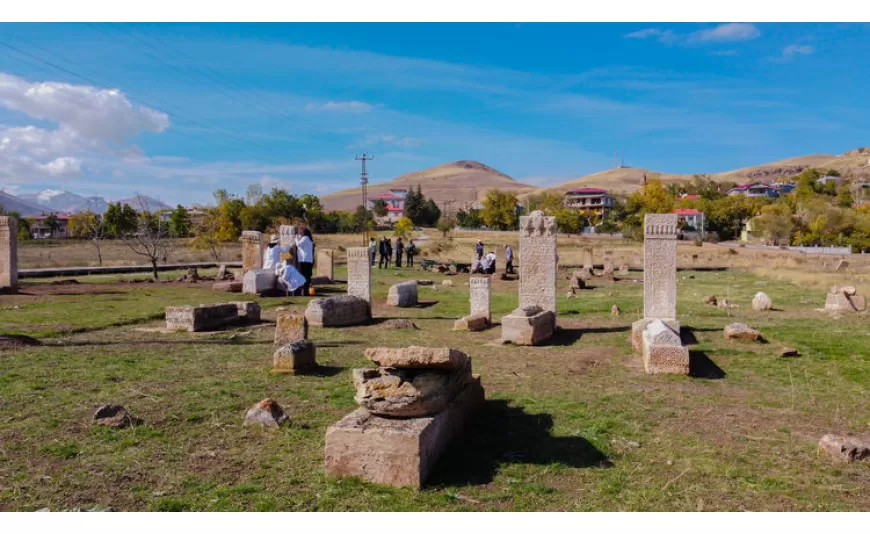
344	310
359	274
252	250
201	318
403	295
267	414
638	328
473	323
480	292
290	326
841	302
8	254
326	265
741	331
538	261
417	357
397	452
846	448
249	312
761	302
287	236
663	353
393	392
660	267
295	357
528	326
259	281
228	287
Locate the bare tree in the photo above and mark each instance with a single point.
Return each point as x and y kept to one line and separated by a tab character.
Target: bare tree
90	225
150	238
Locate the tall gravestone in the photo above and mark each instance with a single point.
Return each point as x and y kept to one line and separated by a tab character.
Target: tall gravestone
287	241
538	261
252	250
8	254
588	258
359	274
325	267
481	296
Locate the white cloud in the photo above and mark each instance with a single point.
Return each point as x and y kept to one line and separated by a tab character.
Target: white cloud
734	31
794	49
349	106
386	140
662	36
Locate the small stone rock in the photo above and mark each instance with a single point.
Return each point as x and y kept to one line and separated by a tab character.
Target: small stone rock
846	448
741	331
399	324
447	283
761	302
115	416
787	352
408	392
267	413
425	282
711	299
614	311
723	304
569	294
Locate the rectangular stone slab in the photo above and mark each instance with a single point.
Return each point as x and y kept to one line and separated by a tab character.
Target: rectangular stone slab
201	318
290	326
259	281
396	452
664	359
8	254
528	330
343	310
403	295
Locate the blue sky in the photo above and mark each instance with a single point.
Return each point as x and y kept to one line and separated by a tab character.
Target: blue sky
199	107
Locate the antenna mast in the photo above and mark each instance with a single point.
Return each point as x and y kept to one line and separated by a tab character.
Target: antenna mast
364	183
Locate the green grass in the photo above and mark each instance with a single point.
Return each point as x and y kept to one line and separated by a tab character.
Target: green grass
573	426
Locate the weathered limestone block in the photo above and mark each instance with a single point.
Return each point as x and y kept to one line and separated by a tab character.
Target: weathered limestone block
638	327
397	452
290	326
660	267
267	413
228	287
287	236
295	357
393	392
472	323
846	448
403	295
418	357
480	289
8	254
259	281
663	353
538	261
843	302
249	312
761	302
528	326
201	318
252	250
326	265
578	280
359	274
609	267
344	310
587	253
741	331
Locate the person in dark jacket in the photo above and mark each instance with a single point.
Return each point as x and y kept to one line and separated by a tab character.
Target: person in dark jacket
410	251
400	250
479	250
382	252
388	256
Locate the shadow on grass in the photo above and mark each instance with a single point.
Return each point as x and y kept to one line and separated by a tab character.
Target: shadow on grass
701	366
568	336
328	344
501	434
325	370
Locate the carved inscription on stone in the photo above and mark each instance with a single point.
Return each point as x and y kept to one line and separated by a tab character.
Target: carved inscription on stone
538	261
660	266
359	273
252	250
481	290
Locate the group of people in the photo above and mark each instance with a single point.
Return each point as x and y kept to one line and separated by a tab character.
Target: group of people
485	263
298	281
383	249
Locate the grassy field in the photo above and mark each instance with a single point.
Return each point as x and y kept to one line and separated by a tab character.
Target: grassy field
575	425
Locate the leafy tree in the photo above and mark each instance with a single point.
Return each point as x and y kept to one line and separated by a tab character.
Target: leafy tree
179	222
569	221
844	197
120	219
380	207
656	199
430	214
209	232
404	227
149	237
53	224
548	202
775	223
89	225
469	219
446	225
414	204
360	220
500	210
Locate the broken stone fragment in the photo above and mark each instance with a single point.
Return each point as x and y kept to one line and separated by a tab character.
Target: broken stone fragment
399	324
115	416
267	413
710	299
787	352
473	323
417	357
761	302
741	331
614	311
295	357
408	392
846	448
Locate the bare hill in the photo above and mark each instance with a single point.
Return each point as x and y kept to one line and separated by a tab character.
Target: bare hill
463	182
23	207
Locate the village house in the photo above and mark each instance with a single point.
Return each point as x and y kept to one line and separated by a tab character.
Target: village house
395	201
591	199
756	189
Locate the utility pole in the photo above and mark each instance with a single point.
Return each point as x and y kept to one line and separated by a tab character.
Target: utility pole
364	183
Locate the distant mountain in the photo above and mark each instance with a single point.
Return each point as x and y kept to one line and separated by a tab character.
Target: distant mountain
463	182
146	202
23	207
66	202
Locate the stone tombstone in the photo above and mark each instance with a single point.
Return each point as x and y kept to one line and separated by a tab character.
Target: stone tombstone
660	267
252	250
290	326
403	295
287	236
538	261
359	273
325	266
587	253
480	288
8	254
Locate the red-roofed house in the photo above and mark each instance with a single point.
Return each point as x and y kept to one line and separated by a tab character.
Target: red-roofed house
395	201
589	198
691	217
41	229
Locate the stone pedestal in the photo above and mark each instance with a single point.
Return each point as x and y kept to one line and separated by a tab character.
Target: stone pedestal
259	281
403	295
473	323
528	326
295	357
397	452
663	353
252	250
8	254
325	265
337	311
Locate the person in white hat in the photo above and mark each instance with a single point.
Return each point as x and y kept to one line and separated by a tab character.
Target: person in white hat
272	255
